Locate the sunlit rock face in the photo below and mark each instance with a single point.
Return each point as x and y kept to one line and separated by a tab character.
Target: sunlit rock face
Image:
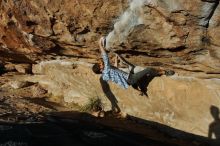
183	35
182	102
173	31
32	26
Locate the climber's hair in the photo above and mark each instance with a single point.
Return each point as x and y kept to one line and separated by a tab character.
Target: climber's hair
96	68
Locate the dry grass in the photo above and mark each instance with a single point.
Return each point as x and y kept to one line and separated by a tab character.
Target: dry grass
94	104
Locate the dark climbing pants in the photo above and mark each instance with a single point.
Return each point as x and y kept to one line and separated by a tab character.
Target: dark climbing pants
134	78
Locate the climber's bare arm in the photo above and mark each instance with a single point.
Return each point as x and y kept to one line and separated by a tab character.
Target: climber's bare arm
119	57
116	61
101	45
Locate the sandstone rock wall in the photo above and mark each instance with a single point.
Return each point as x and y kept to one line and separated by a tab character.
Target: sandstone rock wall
173	32
181	102
182	35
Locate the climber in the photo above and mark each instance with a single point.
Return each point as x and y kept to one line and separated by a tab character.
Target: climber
120	77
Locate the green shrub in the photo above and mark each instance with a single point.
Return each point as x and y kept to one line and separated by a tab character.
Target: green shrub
94	104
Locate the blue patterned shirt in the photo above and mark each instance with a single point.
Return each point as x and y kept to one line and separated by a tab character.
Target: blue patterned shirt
115	75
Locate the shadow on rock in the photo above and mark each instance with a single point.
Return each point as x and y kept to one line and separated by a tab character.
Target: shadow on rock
83	129
214	127
108	93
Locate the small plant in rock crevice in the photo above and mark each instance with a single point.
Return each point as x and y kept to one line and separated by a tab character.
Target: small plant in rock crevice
94	104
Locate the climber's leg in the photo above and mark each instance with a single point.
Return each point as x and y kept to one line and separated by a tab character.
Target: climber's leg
135	77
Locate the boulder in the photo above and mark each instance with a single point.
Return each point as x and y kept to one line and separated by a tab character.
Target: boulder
182	102
172	34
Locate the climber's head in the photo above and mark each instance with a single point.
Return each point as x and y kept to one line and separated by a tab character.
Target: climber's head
98	67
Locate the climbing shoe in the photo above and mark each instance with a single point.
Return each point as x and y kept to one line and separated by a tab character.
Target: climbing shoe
169	72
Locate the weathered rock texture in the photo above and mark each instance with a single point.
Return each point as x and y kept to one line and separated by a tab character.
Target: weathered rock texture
173	32
178	101
183	35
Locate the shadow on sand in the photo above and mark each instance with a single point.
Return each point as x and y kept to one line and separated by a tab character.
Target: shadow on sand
214	127
83	129
108	93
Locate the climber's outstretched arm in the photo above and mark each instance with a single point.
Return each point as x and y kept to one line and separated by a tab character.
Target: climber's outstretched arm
117	56
101	45
116	61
